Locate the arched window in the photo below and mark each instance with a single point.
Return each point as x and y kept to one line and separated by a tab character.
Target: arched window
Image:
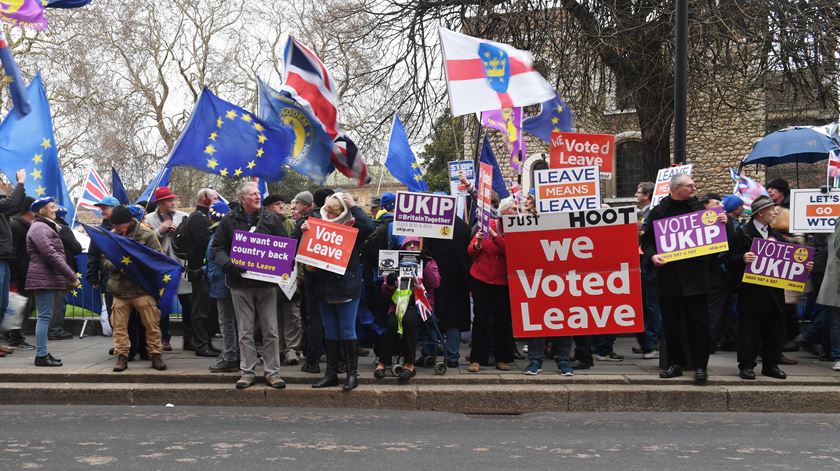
628	167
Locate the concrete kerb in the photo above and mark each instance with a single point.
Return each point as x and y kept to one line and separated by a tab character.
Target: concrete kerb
473	399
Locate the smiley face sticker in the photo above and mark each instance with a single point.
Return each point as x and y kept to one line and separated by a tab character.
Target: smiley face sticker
800	254
709	217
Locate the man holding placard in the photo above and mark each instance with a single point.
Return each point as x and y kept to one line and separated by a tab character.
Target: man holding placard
683	279
253	300
767	266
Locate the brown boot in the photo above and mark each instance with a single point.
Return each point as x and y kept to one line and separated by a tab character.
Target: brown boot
122	363
157	362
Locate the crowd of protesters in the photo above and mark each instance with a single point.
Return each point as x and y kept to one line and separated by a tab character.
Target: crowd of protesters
692	307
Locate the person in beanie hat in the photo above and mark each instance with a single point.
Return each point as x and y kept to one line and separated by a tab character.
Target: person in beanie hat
733	205
301	205
779	191
760	308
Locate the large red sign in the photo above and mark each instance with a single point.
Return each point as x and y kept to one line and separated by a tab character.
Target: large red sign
574	273
327	245
570	149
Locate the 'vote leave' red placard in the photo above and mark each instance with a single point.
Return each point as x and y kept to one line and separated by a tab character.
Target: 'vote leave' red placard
574	273
327	245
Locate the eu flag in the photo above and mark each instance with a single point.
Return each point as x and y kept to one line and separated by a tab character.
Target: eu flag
224	139
27	142
117	188
157	274
312	147
11	73
86	296
554	115
400	160
160	179
488	157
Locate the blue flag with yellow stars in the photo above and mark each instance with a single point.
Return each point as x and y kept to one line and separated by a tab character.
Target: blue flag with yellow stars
154	272
312	147
27	142
400	160
86	296
117	188
224	139
160	179
554	116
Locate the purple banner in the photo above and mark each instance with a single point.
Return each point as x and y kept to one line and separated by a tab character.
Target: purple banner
265	257
690	235
779	264
424	215
509	123
24	13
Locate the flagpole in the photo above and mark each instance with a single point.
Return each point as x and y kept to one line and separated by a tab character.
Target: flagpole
381	176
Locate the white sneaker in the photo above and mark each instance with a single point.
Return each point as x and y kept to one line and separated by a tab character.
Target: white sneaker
650	355
836	366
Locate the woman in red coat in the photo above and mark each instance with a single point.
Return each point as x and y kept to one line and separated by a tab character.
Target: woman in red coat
491	300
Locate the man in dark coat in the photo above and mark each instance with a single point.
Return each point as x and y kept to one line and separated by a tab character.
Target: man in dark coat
452	297
760	308
683	285
9	206
203	315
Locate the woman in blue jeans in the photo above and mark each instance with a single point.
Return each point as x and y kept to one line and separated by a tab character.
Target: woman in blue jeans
49	275
338	295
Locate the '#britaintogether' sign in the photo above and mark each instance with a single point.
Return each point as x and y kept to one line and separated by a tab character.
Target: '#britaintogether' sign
424	215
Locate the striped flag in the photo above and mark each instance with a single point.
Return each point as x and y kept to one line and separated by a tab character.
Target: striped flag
484	75
421	301
747	189
306	79
94	191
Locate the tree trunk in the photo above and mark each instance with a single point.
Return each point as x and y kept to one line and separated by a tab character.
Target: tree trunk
655	112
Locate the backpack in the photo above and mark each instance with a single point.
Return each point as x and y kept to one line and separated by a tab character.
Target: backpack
378	240
181	241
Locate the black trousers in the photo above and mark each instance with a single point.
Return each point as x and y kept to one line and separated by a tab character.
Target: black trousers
583	348
205	318
760	331
692	314
407	344
492	324
314	329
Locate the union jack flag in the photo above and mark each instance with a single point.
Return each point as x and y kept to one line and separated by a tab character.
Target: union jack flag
93	192
421	301
306	78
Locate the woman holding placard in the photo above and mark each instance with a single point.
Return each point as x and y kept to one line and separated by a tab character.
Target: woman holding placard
338	295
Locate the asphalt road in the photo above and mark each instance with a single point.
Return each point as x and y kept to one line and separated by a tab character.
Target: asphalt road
203	438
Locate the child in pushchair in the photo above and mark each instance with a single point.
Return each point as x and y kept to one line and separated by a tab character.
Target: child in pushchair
411	295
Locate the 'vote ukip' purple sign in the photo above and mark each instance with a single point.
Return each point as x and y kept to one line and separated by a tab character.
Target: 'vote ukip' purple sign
265	257
778	264
690	235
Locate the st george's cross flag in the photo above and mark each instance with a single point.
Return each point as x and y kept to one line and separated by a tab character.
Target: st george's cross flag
485	75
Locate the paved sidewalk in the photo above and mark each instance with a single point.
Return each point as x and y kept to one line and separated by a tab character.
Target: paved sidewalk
630	385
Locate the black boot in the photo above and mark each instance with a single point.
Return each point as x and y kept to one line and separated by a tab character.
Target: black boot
331	375
351	354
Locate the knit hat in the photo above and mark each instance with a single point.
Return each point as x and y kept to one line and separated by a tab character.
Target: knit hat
388	200
40	203
121	215
218	210
27	202
60	212
321	195
780	184
304	198
731	203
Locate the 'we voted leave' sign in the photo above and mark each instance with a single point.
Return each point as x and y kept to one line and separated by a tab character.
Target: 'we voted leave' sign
778	264
690	235
574	273
327	245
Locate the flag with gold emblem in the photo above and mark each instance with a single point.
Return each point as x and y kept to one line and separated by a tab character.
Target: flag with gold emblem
27	142
224	139
153	271
400	160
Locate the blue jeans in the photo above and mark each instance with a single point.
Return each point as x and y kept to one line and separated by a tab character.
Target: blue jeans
652	313
46	300
562	350
228	328
339	319
453	344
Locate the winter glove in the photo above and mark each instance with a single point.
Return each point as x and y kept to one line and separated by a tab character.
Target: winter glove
233	270
391	279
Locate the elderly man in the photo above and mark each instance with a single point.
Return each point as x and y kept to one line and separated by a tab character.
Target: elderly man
760	308
254	301
165	221
649	338
683	285
195	237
